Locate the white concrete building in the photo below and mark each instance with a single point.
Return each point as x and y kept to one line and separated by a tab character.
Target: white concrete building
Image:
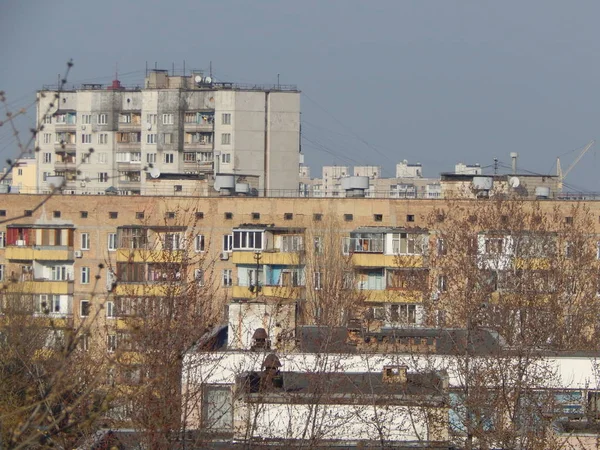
173	124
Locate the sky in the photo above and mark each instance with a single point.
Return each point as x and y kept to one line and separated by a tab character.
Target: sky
435	82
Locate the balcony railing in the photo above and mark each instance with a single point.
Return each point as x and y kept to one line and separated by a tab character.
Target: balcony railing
198	146
64	147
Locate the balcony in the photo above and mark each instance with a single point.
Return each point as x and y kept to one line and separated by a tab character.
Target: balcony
61	166
130	126
392	296
64	147
166	289
197	166
267	257
379	260
130	166
205	126
64	126
199	146
41	287
39	253
289	292
126	145
149	256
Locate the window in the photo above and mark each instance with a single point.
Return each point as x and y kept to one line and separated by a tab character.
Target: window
111	343
226	158
403	313
169	158
103	177
85	275
47	158
410	218
225	138
292	243
348	217
113	215
151	118
86	119
84	343
226	119
83	214
227	278
151	138
2	213
1	272
255	216
569	220
28	213
228	215
167	119
85	241
378	217
199	243
151	158
172	241
102	119
217	409
86	138
317	217
494	246
247	240
227	242
103	138
112	241
60	273
317	280
199	276
167	138
2	239
178	188
56	214
199	215
102	158
47	138
408	244
442	283
288	216
48	119
139	215
441	247
110	310
84	308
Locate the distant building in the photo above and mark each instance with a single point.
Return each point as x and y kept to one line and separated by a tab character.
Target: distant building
467	169
24	178
173	125
406	170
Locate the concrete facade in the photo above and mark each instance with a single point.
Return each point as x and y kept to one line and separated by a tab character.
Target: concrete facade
172	125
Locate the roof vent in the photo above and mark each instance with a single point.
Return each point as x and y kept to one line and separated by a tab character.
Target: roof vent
355	186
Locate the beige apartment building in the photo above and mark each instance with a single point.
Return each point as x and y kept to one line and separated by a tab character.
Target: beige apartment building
171	125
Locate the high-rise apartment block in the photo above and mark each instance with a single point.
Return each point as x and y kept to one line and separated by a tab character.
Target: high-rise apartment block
186	125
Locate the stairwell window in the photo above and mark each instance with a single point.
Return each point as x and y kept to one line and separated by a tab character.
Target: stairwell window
169	158
85	241
225	138
85	275
110	310
102	119
227	278
226	119
199	244
167	119
2	239
112	242
84	308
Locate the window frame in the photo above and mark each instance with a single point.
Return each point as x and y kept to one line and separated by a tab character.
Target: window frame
112	238
85	241
85	275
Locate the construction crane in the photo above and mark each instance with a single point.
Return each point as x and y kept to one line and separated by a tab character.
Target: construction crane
562	175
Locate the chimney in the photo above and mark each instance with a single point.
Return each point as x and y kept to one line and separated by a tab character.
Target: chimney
513	157
394	374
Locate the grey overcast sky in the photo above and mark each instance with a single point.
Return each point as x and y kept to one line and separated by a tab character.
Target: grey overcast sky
435	82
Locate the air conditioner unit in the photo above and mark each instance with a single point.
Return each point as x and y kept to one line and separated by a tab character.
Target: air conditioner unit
78	254
224	256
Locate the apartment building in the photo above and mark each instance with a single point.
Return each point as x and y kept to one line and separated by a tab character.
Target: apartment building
170	125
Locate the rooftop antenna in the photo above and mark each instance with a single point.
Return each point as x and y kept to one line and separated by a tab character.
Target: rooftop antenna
173	69
495	166
155	65
146	68
184	67
210	69
116	71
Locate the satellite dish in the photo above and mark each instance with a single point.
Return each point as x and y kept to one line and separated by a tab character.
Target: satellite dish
208	80
514	182
198	79
155	172
148	126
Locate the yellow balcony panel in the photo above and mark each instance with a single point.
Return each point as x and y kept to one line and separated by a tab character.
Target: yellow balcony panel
267	257
392	296
38	253
269	291
532	263
150	256
41	287
379	260
148	289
